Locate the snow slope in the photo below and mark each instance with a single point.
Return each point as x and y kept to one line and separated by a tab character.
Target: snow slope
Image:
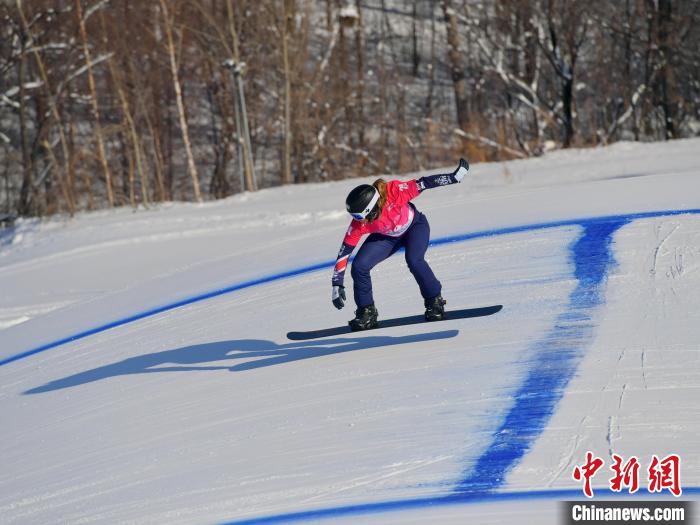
145	375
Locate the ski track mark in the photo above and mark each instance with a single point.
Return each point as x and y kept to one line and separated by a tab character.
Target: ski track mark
661	243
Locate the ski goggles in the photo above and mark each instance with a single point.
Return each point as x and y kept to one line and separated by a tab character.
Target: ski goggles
368	210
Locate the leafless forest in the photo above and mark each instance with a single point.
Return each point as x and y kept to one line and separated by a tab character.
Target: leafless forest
132	102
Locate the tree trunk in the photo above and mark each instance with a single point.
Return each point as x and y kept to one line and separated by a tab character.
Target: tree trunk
157	158
67	180
287	152
567	103
25	194
666	84
135	138
95	107
414	37
192	168
432	66
360	94
454	56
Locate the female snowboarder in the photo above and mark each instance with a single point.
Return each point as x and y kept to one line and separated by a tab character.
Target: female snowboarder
385	212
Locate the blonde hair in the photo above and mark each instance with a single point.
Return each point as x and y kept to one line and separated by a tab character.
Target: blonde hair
380	184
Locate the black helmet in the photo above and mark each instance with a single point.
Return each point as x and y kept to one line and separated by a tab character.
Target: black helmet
363	202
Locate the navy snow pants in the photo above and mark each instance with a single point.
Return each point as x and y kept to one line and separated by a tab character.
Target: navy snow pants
378	247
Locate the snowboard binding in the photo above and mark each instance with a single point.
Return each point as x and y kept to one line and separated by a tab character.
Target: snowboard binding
365	318
435	308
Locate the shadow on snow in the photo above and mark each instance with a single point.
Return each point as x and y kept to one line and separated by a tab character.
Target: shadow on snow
258	353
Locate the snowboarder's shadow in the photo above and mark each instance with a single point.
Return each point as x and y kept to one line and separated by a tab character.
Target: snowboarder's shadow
258	353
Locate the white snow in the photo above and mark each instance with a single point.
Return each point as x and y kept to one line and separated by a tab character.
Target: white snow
206	413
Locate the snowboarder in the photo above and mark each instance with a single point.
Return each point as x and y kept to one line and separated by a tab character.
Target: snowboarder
384	211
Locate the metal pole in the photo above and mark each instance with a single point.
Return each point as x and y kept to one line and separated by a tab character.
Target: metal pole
239	147
246	130
237	69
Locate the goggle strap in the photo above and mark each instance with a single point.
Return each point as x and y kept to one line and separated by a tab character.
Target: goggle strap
371	204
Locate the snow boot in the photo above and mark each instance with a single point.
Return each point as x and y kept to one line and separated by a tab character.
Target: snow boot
435	308
365	318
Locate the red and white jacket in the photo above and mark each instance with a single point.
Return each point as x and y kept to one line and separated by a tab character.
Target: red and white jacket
396	217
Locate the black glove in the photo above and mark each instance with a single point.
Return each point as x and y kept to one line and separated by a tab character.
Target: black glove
461	170
338	296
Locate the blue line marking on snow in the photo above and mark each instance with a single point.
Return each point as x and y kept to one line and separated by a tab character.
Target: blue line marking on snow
554	361
558	224
441	501
165	308
321	266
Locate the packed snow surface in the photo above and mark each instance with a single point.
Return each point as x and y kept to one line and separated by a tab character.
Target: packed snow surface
146	377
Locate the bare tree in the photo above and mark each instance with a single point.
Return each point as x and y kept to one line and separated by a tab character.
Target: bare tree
27	188
563	30
95	104
168	25
65	181
286	28
457	67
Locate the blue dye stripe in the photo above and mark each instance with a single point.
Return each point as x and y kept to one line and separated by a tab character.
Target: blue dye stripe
453	500
552	363
321	266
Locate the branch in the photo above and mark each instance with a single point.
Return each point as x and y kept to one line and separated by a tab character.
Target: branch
489	142
636	97
326	58
535	102
359	152
92	63
78	72
91	10
7	101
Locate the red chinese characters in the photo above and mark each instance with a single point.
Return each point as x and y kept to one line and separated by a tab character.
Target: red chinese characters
663	474
587	471
626	475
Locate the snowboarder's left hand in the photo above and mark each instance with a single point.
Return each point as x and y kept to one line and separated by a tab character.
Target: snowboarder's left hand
338	296
461	170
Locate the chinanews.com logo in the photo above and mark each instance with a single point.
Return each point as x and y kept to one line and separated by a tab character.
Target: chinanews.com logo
659	475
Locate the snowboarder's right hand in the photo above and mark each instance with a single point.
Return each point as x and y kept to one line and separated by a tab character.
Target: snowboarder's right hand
338	296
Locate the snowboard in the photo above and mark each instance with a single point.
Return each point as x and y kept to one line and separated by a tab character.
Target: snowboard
465	313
